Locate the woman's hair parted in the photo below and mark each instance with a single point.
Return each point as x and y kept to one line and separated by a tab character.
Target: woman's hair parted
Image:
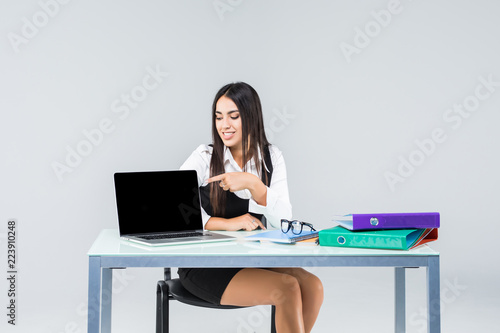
253	136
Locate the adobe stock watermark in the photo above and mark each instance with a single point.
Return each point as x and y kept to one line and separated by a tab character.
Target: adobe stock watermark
223	6
120	282
121	108
31	27
10	318
448	295
453	117
380	19
278	122
261	315
188	212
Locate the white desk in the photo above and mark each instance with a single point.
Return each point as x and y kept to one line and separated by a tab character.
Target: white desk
109	252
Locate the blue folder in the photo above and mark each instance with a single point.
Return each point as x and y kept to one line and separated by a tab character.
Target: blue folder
281	237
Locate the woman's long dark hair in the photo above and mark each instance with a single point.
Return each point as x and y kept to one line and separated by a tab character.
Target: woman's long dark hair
248	103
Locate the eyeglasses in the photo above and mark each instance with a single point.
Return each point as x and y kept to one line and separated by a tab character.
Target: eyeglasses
295	225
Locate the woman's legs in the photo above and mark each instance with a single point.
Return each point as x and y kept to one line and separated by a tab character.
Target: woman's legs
285	288
312	293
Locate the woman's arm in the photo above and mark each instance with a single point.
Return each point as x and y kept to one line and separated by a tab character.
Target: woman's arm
243	222
237	181
272	201
277	205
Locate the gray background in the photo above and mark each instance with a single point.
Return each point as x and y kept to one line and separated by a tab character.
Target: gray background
342	121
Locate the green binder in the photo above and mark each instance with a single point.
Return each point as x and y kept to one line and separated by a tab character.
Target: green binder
396	239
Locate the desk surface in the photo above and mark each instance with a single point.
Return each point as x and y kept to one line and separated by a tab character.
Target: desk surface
110	252
109	244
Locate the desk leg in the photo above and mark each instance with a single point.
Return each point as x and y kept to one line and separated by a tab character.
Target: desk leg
94	301
106	299
400	300
433	296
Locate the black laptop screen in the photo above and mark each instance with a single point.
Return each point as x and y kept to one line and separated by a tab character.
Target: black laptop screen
157	201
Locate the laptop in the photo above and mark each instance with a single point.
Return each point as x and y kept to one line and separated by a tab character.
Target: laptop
161	208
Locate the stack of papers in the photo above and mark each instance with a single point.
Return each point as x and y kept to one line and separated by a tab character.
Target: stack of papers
281	237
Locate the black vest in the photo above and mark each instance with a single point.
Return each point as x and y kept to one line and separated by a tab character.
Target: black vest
235	206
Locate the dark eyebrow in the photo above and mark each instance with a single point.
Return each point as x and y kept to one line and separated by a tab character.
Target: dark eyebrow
233	111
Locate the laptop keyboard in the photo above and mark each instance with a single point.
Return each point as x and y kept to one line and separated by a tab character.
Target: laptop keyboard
182	234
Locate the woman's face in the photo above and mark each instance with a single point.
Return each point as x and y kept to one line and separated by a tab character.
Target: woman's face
228	123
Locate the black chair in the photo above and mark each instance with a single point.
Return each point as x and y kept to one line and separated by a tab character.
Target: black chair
169	288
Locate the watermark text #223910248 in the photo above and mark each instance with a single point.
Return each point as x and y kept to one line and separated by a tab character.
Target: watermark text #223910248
95	137
454	116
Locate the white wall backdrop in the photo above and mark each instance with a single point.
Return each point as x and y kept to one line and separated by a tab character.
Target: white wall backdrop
378	106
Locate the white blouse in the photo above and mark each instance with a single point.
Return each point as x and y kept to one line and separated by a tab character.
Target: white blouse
278	201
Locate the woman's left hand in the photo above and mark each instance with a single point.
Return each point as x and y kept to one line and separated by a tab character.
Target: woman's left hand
236	181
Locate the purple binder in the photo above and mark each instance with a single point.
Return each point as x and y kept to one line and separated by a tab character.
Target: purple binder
388	221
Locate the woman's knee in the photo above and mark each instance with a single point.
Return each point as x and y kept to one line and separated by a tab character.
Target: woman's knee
317	287
312	285
287	290
309	283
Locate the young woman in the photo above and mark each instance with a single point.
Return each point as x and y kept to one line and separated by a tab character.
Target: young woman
243	178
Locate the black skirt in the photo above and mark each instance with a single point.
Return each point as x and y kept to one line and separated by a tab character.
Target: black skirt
207	283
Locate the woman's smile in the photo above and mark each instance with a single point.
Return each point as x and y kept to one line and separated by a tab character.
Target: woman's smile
227	135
